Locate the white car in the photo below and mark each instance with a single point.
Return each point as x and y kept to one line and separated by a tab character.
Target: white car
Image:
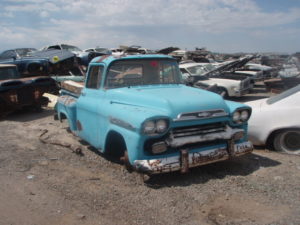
230	87
105	51
276	121
254	75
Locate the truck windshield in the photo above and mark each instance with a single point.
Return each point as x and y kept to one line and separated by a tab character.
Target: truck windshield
126	73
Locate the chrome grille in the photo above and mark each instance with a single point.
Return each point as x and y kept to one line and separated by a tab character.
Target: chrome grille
245	84
201	115
198	130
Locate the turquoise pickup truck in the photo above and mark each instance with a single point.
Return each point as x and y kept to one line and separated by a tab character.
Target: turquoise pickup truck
136	108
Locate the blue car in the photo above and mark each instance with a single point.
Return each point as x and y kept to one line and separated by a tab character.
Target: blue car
31	62
26	64
82	57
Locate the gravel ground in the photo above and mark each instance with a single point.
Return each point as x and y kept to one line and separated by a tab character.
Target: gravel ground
48	176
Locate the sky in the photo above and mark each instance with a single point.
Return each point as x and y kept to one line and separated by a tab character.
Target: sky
219	25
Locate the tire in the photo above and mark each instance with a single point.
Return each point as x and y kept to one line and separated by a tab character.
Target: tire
287	141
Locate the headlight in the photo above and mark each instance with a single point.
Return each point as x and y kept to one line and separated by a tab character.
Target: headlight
161	126
241	116
244	115
149	127
236	116
153	127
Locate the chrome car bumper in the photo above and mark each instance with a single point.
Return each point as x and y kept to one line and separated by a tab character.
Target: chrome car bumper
186	159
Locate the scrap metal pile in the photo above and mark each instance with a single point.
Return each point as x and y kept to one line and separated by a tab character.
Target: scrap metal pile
231	75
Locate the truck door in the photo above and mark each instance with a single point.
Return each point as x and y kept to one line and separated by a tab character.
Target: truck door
89	103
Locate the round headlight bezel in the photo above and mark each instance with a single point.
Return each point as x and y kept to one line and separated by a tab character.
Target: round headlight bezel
149	127
241	116
236	116
155	126
161	125
244	115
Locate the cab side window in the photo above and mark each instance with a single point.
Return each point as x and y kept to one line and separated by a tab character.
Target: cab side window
94	77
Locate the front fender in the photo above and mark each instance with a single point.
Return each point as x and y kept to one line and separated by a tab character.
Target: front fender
132	117
133	141
66	105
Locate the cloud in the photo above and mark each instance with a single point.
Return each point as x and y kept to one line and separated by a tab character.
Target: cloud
44	14
210	15
31	6
154	22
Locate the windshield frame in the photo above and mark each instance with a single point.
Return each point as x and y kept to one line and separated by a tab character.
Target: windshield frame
176	74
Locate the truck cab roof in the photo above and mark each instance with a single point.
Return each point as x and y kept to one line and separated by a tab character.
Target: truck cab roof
107	59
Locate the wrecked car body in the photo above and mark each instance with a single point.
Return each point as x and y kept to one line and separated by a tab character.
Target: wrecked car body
17	92
27	65
136	109
288	77
60	61
83	58
31	62
267	71
198	75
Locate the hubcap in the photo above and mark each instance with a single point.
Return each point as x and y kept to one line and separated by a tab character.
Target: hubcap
291	141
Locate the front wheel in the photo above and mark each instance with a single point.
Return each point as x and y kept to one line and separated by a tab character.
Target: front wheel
287	141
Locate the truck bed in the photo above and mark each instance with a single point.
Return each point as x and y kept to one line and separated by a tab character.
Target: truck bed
72	86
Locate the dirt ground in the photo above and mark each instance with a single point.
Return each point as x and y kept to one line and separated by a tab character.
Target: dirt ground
48	176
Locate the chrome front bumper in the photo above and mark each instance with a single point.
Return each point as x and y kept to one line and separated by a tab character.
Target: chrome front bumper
186	159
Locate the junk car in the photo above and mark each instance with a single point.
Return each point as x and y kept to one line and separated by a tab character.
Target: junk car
31	62
197	75
83	58
17	92
137	109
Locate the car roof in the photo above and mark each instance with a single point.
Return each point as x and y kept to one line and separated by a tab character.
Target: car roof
107	59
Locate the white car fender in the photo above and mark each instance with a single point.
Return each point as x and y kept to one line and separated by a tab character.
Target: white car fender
262	126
